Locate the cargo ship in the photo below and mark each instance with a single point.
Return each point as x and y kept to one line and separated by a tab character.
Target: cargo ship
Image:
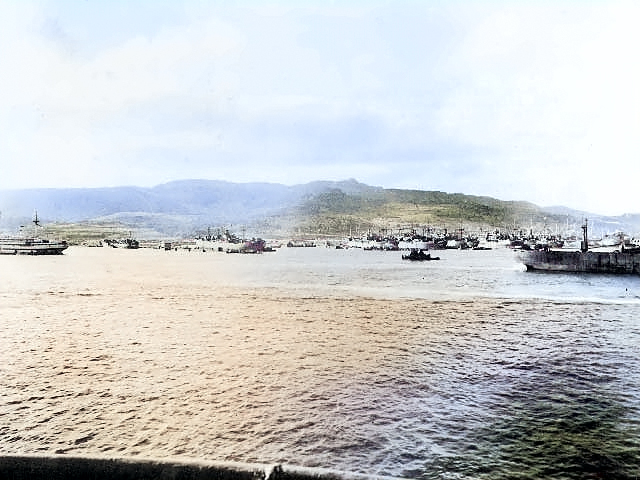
618	259
31	245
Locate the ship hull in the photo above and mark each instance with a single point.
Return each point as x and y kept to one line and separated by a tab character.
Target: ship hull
587	262
31	247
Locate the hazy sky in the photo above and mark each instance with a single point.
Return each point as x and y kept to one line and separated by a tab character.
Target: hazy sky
517	100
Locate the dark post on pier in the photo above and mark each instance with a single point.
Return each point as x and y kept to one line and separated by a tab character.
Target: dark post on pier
585	241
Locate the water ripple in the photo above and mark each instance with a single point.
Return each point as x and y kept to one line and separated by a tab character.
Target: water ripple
157	356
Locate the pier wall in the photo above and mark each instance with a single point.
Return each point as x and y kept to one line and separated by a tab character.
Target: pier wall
62	467
596	262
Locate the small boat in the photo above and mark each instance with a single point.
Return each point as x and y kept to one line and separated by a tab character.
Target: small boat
31	245
128	243
419	256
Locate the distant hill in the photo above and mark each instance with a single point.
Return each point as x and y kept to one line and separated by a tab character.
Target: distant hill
173	208
185	207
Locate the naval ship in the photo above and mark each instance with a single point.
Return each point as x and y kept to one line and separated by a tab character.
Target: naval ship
620	259
31	245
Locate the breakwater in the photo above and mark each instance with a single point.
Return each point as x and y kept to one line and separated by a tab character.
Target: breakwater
62	467
592	261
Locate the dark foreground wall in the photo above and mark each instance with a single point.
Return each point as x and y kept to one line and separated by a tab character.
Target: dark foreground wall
62	467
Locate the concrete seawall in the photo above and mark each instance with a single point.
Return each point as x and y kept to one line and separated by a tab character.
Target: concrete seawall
62	467
591	261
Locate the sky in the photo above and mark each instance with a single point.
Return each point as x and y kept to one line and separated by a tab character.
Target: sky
521	100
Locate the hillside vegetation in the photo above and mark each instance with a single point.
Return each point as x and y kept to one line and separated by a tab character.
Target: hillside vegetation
335	212
191	207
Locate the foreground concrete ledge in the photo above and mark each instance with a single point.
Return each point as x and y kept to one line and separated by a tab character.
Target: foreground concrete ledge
59	467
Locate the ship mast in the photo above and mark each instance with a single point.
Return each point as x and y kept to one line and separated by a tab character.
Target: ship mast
36	223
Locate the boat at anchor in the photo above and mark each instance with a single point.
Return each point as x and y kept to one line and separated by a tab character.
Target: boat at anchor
31	245
419	256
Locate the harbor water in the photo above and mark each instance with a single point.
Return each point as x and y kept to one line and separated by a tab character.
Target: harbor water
466	367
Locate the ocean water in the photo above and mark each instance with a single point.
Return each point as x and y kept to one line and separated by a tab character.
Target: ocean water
458	275
467	367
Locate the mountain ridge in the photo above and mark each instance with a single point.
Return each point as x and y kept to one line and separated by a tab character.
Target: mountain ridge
183	207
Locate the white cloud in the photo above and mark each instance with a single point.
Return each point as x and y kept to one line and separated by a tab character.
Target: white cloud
513	100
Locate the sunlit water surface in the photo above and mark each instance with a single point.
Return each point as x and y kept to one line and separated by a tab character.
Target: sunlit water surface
467	367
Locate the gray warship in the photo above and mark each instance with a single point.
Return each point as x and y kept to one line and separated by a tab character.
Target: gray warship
31	244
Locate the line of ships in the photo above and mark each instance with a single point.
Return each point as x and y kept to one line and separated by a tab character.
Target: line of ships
619	256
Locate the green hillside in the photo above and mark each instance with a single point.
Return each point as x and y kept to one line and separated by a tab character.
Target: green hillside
191	208
335	212
85	232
